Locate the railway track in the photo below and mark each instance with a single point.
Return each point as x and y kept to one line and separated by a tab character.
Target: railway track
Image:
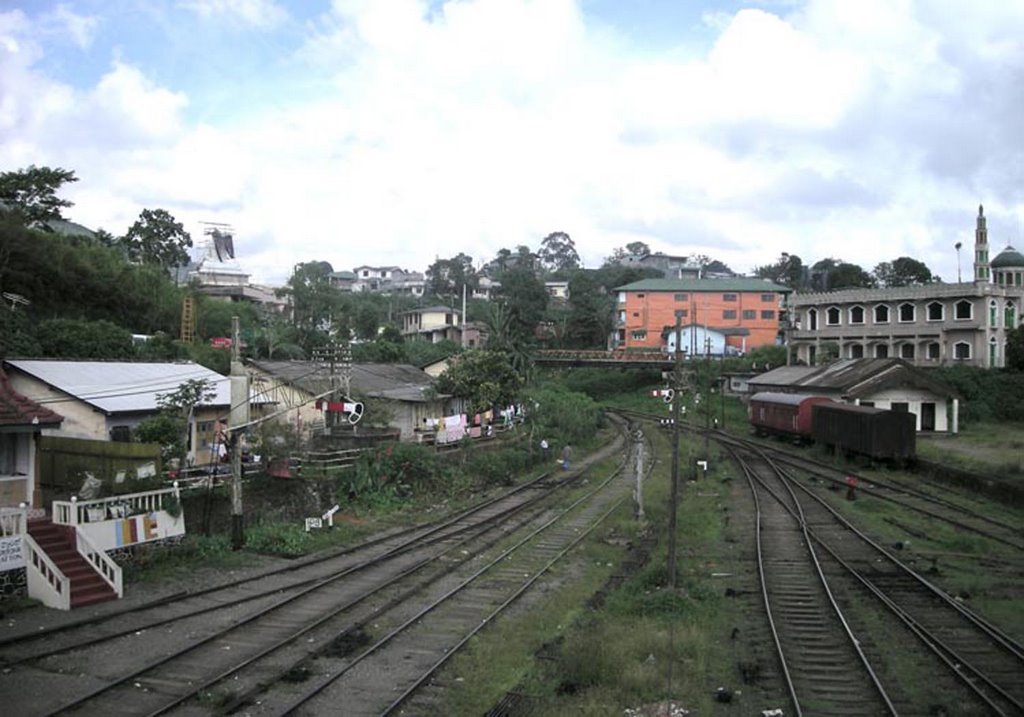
901	623
266	631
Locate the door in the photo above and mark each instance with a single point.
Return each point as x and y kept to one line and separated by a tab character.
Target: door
927	416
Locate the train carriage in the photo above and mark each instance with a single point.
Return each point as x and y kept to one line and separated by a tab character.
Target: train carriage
783	413
873	432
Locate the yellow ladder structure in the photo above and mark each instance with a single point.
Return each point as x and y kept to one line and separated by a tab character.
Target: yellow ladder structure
188	320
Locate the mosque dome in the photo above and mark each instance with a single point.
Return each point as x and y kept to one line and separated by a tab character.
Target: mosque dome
1007	258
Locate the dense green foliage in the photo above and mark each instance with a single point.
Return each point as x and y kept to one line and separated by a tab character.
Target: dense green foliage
484	378
986	395
75	338
566	416
32	192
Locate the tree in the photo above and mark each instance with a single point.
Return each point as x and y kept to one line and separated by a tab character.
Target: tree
1015	349
591	309
833	274
181	404
483	378
787	270
558	252
905	271
156	238
33	192
75	338
315	303
446	277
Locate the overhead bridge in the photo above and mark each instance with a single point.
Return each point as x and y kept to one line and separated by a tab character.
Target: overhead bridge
604	359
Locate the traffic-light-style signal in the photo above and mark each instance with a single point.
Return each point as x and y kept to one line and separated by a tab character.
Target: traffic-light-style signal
667	394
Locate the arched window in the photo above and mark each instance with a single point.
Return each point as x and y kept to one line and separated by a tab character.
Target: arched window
882	314
993	314
856	351
856	314
832	316
812	319
1010	315
882	351
906	313
962	351
907	351
993	353
936	311
963	310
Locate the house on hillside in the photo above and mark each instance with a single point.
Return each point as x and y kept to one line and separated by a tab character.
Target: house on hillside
22	420
433	324
740	314
883	383
105	400
402	390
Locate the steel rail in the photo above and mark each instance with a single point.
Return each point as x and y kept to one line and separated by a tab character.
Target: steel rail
332	678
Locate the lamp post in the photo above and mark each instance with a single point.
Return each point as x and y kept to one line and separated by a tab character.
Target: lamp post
958	245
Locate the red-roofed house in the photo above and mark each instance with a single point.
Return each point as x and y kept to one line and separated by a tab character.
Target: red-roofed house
21	421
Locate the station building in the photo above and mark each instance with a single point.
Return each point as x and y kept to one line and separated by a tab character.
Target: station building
928	325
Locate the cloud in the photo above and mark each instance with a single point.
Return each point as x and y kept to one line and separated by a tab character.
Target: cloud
397	131
256	13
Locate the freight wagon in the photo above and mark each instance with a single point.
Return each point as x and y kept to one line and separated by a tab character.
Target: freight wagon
787	414
864	430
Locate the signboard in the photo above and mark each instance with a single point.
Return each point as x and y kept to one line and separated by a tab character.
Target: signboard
221	342
12	554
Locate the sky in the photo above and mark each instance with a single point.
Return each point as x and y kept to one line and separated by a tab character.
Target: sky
397	132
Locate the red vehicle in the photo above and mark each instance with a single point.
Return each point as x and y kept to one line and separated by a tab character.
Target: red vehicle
787	414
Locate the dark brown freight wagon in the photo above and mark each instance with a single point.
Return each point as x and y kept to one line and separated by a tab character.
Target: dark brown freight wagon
873	432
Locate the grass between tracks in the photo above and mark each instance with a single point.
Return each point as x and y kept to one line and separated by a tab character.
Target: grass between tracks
645	643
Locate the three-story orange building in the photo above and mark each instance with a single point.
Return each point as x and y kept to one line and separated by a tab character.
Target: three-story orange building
727	315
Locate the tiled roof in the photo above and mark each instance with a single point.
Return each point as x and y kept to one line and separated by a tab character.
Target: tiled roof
698	285
852	377
17	410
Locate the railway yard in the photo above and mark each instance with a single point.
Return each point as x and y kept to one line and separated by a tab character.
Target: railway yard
805	587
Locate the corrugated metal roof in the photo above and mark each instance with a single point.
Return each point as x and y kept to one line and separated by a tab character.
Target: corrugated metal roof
122	386
852	377
400	382
705	285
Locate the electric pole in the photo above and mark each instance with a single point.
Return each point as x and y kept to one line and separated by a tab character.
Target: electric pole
237	417
677	398
638	446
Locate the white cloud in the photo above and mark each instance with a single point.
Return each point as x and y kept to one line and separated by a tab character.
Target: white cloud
257	13
822	129
81	28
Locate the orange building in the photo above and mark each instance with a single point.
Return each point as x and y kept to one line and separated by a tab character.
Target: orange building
720	315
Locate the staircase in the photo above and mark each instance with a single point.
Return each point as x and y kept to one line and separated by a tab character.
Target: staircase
58	542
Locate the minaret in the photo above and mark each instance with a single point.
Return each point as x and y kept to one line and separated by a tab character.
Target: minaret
981	269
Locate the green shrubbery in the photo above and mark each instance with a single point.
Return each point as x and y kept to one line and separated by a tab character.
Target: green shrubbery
986	394
562	416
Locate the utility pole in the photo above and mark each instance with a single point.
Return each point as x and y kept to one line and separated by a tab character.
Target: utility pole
238	417
707	390
673	508
638	446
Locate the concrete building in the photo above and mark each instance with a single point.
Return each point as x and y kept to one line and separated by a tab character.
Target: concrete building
433	324
744	313
928	325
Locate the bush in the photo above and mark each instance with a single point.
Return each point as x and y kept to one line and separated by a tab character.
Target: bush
987	394
392	470
562	415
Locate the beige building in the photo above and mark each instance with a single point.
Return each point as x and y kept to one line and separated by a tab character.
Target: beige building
929	325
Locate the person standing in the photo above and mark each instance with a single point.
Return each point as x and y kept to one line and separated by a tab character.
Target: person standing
566	457
545	449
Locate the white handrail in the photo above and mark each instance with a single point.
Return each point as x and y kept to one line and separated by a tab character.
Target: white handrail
13	522
46	582
100	561
75	512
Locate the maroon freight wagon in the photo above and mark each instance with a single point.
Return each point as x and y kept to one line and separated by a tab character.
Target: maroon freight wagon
783	413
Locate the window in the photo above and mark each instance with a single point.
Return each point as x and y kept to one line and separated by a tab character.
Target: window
8	454
639	335
963	310
882	351
682	313
993	314
906	313
636	314
767	298
729	314
907	351
1010	315
622	317
682	297
640	296
900	407
365	273
768	314
961	351
933	351
728	297
812	320
856	351
856	314
749	314
993	353
832	316
936	311
869	404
